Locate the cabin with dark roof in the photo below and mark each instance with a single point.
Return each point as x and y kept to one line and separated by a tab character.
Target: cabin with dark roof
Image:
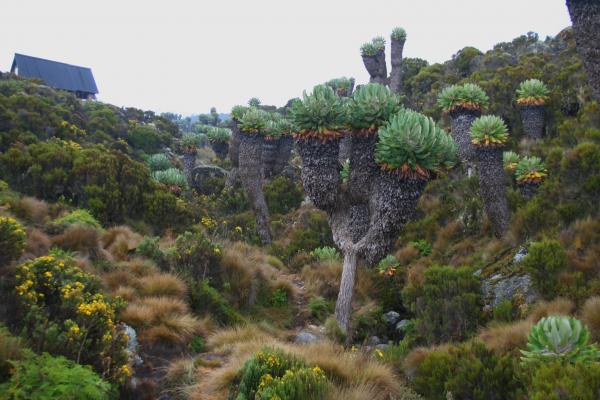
72	78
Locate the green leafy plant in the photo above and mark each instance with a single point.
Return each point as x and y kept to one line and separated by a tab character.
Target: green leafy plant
319	308
388	266
46	377
254	102
254	121
510	159
545	261
195	254
371	106
530	170
237	112
326	253
12	240
560	338
372	48
345	171
341	85
469	96
423	246
279	298
197	344
191	141
78	217
398	33
298	384
412	145
532	92
319	114
159	162
220	135
171	177
489	130
64	312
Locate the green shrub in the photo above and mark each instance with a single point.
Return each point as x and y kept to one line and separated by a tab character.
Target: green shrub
273	374
146	138
11	349
205	299
297	384
78	217
469	371
46	377
279	298
557	381
326	253
12	240
195	255
503	311
159	162
530	169
545	261
197	344
560	338
282	195
149	248
448	306
64	312
319	308
341	85
423	246
489	130
414	146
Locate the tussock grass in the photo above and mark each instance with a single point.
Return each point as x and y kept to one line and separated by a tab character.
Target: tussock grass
33	210
82	238
120	241
161	285
590	314
38	243
507	337
558	306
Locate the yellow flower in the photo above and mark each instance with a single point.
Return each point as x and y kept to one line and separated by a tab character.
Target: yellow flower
48	274
74	329
217	250
238	229
379	353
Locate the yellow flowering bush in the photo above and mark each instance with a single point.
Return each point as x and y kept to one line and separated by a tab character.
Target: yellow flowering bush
12	240
274	374
196	255
64	312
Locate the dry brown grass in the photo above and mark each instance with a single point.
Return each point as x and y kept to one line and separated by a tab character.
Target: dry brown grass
139	266
407	254
558	306
80	238
582	242
114	279
125	292
446	234
161	319
38	242
322	278
120	241
161	284
590	314
33	210
351	374
506	337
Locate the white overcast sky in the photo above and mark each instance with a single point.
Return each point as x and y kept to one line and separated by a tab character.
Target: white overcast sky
186	56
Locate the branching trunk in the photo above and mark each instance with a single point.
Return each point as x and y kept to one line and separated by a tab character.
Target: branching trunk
396	73
343	306
585	15
377	72
251	175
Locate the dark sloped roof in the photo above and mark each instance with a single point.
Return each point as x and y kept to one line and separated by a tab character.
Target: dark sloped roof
56	74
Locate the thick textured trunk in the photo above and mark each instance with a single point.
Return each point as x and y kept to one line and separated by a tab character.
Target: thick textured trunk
585	15
189	162
221	149
345	149
383	75
284	152
392	204
532	118
363	169
528	189
462	119
372	64
343	306
234	144
251	175
492	187
270	148
396	73
320	171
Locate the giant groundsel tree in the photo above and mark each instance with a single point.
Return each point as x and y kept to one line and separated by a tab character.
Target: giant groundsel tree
394	153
